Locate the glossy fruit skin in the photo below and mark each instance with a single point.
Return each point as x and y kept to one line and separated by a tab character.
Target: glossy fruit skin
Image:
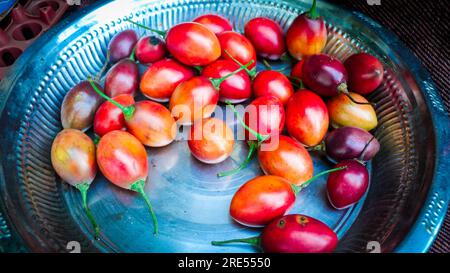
121	45
307	117
365	73
272	83
193	44
343	112
289	160
73	157
348	186
193	99
238	46
349	143
122	78
109	117
265	115
162	77
236	88
152	124
211	140
324	74
261	200
297	70
296	233
122	158
214	22
306	36
79	106
150	49
266	36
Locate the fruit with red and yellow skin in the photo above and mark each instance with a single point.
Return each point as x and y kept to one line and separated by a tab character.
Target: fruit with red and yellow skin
160	80
73	158
236	88
265	198
123	161
344	112
365	73
214	22
149	121
293	233
197	97
236	46
307	34
193	44
211	140
109	117
289	160
272	83
266	36
307	117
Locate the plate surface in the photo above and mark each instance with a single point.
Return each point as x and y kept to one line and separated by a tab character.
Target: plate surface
402	211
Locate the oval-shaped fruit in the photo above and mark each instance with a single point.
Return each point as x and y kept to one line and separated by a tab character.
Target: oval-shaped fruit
365	73
262	199
79	106
152	124
236	88
73	157
349	143
122	158
266	36
265	115
193	99
109	117
211	140
297	233
347	186
238	46
214	22
122	78
272	83
344	112
150	49
193	44
121	45
162	77
307	117
289	160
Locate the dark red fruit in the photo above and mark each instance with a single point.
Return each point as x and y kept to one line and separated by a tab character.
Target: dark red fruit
122	78
365	73
121	45
150	49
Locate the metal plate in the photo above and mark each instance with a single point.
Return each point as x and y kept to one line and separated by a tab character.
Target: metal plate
402	210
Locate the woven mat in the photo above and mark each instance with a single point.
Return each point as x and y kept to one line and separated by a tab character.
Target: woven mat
423	26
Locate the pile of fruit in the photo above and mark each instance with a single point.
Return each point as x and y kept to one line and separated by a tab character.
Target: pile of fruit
196	65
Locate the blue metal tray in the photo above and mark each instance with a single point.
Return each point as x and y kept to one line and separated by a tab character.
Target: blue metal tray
401	212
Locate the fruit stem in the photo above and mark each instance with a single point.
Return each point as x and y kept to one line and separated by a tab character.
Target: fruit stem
250	72
254	241
133	55
102	70
138	187
363	152
83	188
297	189
128	111
258	136
253	146
160	32
312	13
96	139
198	68
318	148
342	88
216	82
296	81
